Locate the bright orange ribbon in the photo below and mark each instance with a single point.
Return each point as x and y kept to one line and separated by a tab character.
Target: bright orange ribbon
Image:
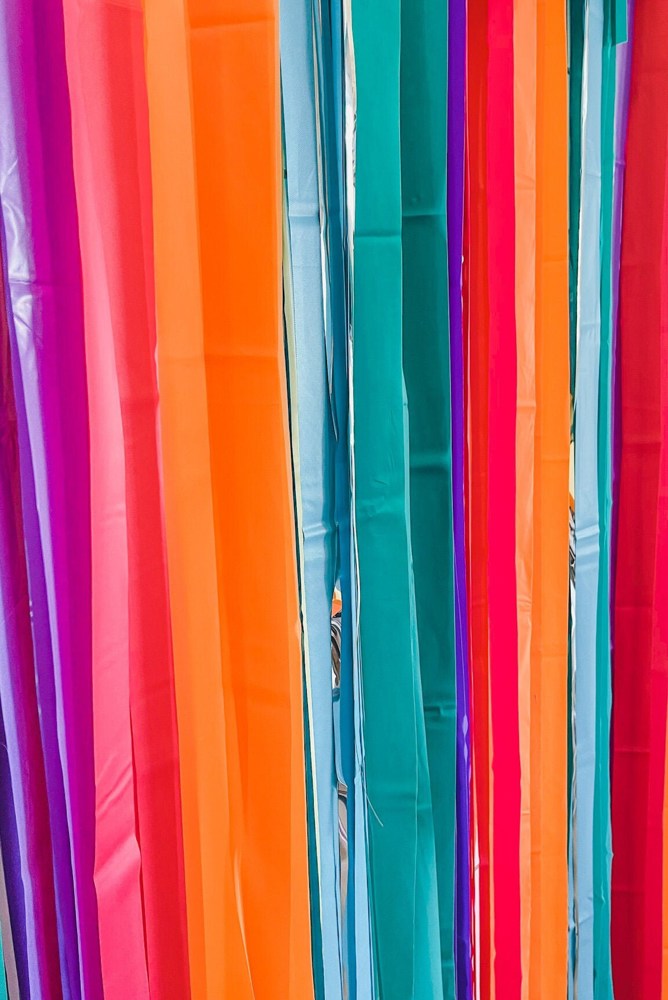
215	134
549	653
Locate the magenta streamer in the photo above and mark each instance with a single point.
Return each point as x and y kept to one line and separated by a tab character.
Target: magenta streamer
456	124
46	335
623	71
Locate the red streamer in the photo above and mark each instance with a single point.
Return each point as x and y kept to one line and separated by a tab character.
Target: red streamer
503	648
641	592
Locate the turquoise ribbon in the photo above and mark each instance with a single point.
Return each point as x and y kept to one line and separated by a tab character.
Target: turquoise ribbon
402	854
602	859
426	359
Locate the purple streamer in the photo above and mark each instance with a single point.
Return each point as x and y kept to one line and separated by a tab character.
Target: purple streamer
456	125
46	333
11	862
18	698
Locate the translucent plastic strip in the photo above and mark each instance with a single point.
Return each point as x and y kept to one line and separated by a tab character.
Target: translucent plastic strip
143	938
403	898
455	218
426	366
117	862
587	515
525	139
46	327
315	429
549	639
8	966
503	625
209	777
336	150
477	341
639	668
602	846
18	698
213	68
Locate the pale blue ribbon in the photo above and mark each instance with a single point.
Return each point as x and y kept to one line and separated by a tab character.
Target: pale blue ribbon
316	451
586	498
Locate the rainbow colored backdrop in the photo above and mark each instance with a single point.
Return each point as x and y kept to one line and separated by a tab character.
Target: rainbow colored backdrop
333	499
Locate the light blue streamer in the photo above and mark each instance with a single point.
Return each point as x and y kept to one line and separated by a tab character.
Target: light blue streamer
316	450
336	91
586	497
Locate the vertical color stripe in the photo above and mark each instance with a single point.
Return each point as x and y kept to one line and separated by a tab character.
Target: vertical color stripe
426	363
525	138
46	325
477	483
110	135
549	655
315	429
501	514
640	606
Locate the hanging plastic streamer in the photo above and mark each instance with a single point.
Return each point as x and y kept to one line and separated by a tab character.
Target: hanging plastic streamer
45	321
426	366
315	430
333	487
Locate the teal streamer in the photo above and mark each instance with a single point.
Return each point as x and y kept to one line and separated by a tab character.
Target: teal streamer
402	855
620	21
602	860
336	96
575	57
426	358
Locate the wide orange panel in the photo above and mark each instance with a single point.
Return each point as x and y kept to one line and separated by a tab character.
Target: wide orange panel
209	781
237	140
215	125
549	652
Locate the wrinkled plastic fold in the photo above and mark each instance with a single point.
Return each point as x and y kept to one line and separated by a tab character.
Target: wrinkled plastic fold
404	904
45	316
549	635
141	899
426	368
501	560
213	79
639	669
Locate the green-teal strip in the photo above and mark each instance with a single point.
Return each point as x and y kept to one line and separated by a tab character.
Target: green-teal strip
426	357
402	857
602	857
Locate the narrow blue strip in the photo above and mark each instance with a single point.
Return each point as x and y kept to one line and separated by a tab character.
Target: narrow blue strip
316	451
586	497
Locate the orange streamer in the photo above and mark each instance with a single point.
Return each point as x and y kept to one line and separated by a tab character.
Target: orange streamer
213	105
217	955
549	648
